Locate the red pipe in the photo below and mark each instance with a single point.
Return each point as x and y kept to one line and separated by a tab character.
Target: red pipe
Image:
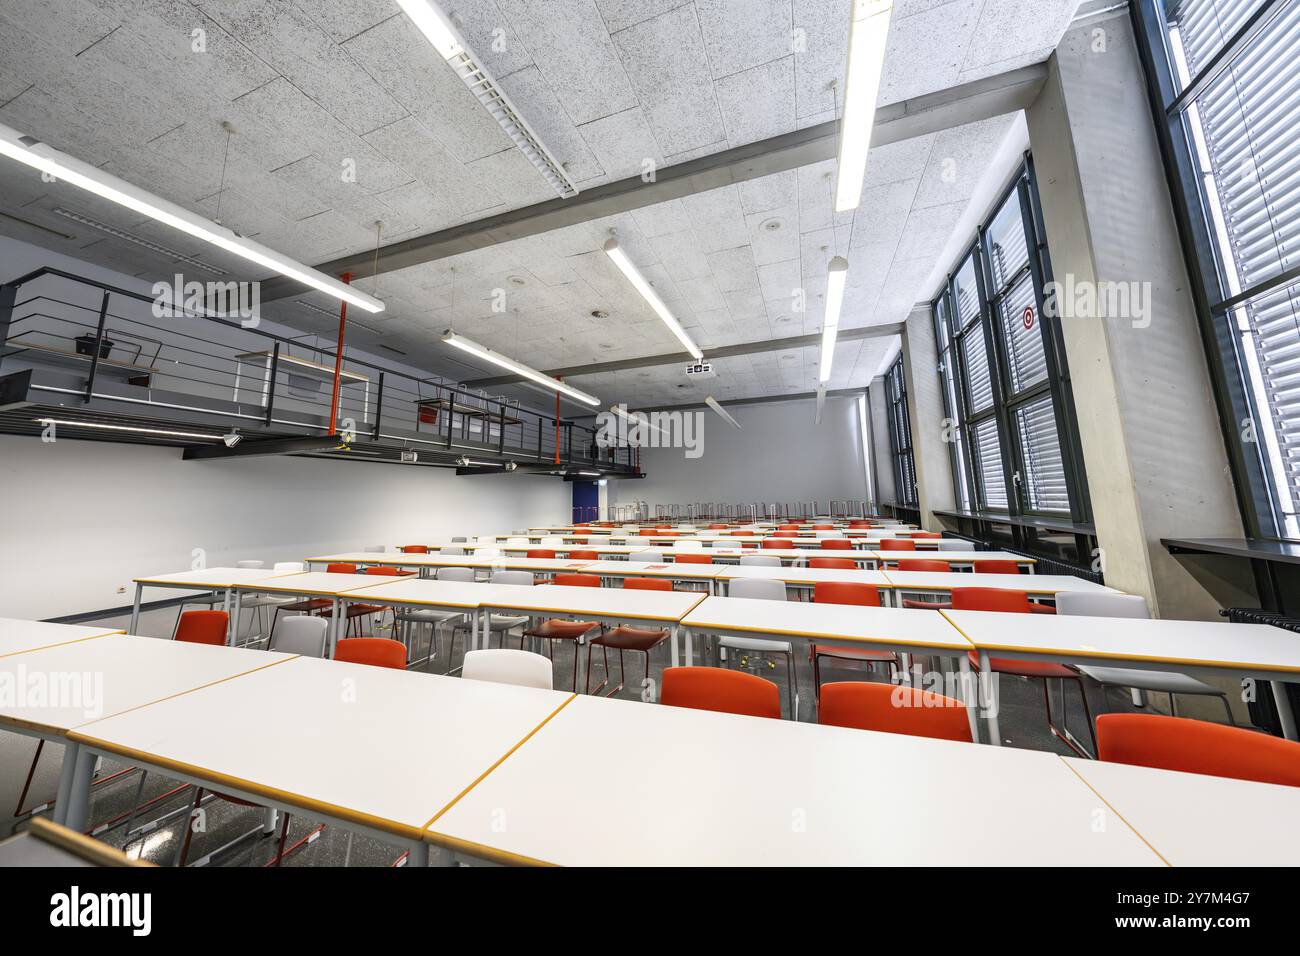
338	357
557	428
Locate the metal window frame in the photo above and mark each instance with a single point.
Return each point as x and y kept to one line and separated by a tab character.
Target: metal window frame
1256	496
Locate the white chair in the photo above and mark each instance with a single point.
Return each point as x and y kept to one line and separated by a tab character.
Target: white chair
259	603
460	539
251	565
763	591
1085	604
376	548
486	539
304	635
452	550
760	561
653	557
953	544
436	617
688	544
487	552
505	665
552	541
517	542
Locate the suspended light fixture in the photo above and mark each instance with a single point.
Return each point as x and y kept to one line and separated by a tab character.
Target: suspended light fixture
648	293
61	166
836	275
496	358
868	36
439	31
726	416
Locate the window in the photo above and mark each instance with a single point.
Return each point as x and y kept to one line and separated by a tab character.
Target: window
1005	388
900	435
1225	80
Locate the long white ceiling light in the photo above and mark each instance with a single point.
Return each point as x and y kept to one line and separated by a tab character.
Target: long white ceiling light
496	358
726	415
60	165
439	31
125	428
648	293
836	275
868	36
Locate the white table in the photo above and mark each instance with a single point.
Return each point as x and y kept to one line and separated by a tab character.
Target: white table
319	584
423	561
205	579
1259	651
372	749
1042	585
620	783
901	630
670	570
804	578
107	675
962	558
1193	819
18	636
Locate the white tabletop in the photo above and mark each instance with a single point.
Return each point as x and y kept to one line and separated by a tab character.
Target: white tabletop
212	577
688	787
953	557
116	673
799	574
18	636
599	603
842	622
1217	644
1030	583
386	748
1194	819
319	582
652	569
504	562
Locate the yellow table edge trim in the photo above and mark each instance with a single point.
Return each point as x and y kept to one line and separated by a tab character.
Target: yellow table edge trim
597	614
1100	655
75	640
260	586
1112	809
215	587
86	847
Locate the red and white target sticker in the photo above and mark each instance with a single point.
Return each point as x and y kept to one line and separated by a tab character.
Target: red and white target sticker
1028	317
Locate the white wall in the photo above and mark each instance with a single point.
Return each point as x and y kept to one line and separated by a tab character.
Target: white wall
778	455
84	518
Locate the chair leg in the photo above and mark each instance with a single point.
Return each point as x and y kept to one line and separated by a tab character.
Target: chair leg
1227	707
794	695
183	848
31	772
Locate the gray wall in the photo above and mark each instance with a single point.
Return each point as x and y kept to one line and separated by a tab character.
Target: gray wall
778	455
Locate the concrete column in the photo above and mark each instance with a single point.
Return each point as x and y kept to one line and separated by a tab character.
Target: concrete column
934	488
1148	424
882	458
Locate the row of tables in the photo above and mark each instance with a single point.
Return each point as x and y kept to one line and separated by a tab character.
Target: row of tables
504	774
1256	651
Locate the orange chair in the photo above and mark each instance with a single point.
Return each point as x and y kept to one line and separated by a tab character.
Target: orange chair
1197	746
996	567
788	527
777	543
540	553
558	629
626	638
843	564
584	555
648	533
836	544
717	527
923	535
388	570
720	689
354	611
861	595
340	569
1017	602
203	627
922	564
308	605
897	544
377	651
739	534
415	549
692	559
894	709
823	527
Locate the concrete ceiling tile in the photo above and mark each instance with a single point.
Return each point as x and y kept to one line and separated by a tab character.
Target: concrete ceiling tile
758	103
742	34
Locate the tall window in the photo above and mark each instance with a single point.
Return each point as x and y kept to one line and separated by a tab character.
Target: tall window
1225	77
900	435
1002	369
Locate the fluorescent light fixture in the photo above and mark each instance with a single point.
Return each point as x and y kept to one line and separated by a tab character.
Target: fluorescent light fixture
868	36
590	474
636	418
836	275
648	293
726	416
126	428
496	358
60	165
439	31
